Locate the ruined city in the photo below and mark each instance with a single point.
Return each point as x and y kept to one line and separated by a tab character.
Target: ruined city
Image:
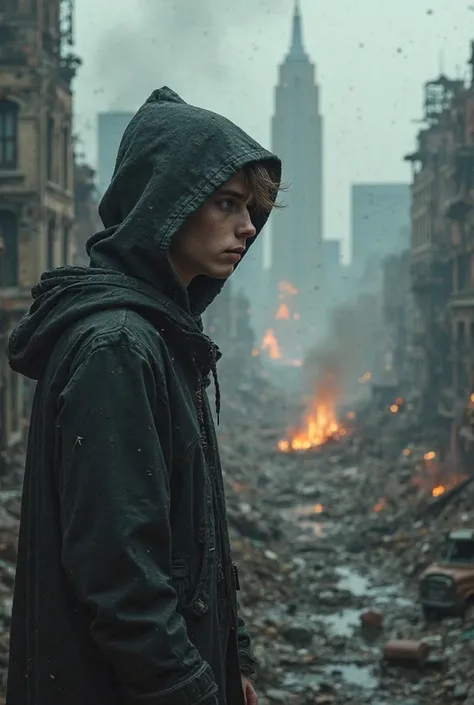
346	426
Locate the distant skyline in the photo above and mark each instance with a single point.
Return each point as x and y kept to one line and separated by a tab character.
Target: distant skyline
372	59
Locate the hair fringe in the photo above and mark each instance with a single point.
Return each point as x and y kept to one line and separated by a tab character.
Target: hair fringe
263	187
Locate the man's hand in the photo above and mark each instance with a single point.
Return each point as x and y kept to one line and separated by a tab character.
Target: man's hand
249	692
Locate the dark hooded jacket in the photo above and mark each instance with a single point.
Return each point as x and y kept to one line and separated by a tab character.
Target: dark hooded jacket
125	591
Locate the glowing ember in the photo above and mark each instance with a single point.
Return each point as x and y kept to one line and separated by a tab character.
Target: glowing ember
436	477
439	490
283	313
366	377
394	408
287	288
270	343
381	504
318	508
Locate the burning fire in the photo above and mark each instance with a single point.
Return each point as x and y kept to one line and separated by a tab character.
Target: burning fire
436	477
283	313
381	504
320	423
286	289
270	343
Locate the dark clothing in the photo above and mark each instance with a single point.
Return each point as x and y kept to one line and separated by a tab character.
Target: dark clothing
125	591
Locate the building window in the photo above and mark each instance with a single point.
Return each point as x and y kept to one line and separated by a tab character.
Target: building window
66	151
66	244
50	244
50	149
461	334
8	134
8	249
463	266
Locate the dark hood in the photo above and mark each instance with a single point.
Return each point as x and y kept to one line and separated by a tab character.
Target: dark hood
172	157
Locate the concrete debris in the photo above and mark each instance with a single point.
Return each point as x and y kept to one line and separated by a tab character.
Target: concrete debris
331	544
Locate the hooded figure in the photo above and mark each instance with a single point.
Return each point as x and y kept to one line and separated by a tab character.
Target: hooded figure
125	590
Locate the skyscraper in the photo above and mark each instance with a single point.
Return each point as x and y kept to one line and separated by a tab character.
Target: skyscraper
380	226
297	230
111	127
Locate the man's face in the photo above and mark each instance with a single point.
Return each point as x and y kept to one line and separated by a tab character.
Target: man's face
214	238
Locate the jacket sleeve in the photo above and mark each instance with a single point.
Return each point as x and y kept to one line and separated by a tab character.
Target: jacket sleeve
247	660
116	538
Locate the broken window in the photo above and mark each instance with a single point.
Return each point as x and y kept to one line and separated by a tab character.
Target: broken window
8	249
8	134
461	552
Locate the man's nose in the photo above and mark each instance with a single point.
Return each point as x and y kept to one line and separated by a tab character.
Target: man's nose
247	228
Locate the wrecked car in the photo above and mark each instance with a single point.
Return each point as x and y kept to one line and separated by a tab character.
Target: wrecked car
447	586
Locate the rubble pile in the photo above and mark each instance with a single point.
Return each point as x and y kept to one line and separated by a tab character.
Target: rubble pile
10	502
330	544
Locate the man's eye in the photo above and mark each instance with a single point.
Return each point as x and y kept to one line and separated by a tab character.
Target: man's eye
227	204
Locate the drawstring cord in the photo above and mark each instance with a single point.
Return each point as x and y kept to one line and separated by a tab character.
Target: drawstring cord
217	390
199	396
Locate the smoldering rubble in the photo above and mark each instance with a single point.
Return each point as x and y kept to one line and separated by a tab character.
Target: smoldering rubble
331	538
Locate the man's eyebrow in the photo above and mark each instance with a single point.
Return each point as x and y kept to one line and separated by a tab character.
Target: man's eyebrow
240	195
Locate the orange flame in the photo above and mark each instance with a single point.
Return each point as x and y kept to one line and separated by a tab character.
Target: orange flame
320	423
438	490
283	312
270	343
434	477
287	288
381	504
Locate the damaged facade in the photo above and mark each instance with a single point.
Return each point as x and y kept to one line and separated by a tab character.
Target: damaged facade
36	169
86	221
442	252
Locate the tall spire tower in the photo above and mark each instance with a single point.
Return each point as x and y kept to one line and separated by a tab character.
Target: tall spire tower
296	50
297	231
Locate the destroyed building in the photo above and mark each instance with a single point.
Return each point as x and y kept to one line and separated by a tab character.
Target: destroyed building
442	267
36	169
397	315
87	220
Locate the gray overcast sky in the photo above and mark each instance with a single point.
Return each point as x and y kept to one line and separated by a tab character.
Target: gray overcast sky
372	58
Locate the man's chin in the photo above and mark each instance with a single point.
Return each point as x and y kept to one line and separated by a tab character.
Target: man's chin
221	273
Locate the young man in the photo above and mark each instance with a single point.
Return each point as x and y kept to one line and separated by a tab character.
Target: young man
125	591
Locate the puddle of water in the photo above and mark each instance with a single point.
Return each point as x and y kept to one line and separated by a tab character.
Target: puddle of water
354	675
353	582
342	623
360	586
